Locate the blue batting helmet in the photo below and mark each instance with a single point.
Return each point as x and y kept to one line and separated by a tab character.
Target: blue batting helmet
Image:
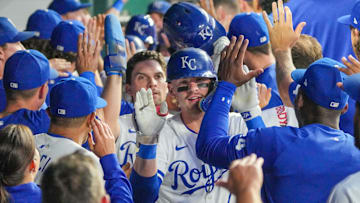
190	26
139	44
143	27
189	63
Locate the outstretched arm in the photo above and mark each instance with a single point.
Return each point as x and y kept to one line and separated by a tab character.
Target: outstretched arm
282	38
213	144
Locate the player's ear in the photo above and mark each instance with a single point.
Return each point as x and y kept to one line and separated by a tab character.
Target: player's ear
345	109
90	118
2	57
43	91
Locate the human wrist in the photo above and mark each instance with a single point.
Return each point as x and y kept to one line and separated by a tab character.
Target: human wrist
147	151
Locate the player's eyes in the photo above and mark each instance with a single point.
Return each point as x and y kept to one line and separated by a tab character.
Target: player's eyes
182	88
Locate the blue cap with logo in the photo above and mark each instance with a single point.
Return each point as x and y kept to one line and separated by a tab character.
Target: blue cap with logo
187	25
189	63
352	86
319	83
64	6
352	19
43	22
9	33
74	97
252	26
158	7
27	69
65	35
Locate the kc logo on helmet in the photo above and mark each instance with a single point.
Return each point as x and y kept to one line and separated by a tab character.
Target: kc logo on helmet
140	28
188	63
206	32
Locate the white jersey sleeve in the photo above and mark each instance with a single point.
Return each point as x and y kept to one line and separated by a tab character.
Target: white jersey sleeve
347	191
280	116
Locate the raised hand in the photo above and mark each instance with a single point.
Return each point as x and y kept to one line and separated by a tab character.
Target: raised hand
105	140
147	119
282	35
352	64
231	63
209	9
88	49
264	95
244	175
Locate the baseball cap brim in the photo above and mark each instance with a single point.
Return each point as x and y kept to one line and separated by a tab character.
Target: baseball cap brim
21	36
344	20
297	75
100	103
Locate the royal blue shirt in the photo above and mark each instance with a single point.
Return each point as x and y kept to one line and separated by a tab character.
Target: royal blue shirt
321	22
268	77
300	164
37	121
25	193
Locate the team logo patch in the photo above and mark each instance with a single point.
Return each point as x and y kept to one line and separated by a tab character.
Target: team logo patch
61	111
263	39
14	85
188	63
334	104
206	33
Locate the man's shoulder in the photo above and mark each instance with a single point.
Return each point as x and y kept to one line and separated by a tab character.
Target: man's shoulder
347	190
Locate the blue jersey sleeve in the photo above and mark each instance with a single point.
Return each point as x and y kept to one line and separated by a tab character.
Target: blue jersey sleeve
146	189
213	144
116	183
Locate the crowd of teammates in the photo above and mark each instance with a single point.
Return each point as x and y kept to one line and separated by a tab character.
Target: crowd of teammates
201	101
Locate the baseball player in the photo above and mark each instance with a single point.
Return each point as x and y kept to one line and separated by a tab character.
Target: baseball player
25	81
146	69
10	42
297	166
169	171
157	10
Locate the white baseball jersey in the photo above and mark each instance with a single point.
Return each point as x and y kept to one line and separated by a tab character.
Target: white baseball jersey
185	178
279	116
52	147
126	142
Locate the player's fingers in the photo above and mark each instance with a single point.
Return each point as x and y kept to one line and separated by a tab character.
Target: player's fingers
259	162
267	21
132	48
354	60
203	4
144	97
252	159
281	12
127	45
223	184
90	142
80	44
275	12
288	16
126	166
241	54
252	74
236	49
340	85
100	127
299	28
95	129
268	94
230	48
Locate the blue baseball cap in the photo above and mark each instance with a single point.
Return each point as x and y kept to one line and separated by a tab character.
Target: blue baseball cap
352	86
43	22
354	18
27	69
64	6
252	26
65	35
319	83
158	7
74	97
9	33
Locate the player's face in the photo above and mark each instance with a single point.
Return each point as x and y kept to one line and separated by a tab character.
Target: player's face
158	20
148	74
189	91
6	52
